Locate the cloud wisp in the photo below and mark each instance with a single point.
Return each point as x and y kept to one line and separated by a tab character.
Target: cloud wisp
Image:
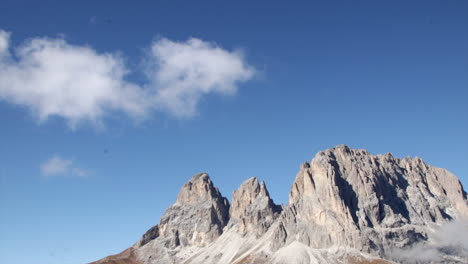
447	241
51	77
57	166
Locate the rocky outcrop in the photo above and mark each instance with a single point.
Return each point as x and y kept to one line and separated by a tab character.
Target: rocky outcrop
252	210
345	206
197	218
354	199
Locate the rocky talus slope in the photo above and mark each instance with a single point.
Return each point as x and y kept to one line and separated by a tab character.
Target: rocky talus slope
345	206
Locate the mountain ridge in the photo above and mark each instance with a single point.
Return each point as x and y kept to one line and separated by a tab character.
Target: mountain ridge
345	206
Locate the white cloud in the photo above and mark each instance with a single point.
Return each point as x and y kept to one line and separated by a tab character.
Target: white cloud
4	39
54	78
58	166
51	77
448	240
185	71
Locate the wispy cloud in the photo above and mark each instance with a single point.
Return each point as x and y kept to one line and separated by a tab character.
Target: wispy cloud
58	166
447	241
54	78
4	39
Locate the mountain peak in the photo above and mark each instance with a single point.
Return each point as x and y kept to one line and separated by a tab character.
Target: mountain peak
343	150
200	176
362	206
198	189
305	165
252	209
197	218
347	191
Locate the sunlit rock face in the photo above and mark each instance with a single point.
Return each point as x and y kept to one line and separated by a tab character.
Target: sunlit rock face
345	206
197	218
252	209
373	203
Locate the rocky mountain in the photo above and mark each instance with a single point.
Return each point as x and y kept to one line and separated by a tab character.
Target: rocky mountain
197	218
345	206
252	210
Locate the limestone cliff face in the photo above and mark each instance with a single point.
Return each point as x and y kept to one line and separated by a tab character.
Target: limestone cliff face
379	190
345	206
252	209
197	218
371	203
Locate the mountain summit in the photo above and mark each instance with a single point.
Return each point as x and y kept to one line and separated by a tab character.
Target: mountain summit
345	206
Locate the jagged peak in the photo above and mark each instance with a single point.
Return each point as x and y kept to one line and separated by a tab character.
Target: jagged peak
200	176
250	181
197	218
341	146
347	175
199	189
252	208
345	152
343	198
264	189
345	149
253	188
305	165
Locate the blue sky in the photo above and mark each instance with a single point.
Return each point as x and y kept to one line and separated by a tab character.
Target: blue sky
91	158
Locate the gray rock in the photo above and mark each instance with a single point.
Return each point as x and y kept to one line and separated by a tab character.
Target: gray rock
252	210
353	199
197	218
345	206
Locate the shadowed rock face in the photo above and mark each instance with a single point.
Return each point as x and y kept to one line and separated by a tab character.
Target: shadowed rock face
149	235
344	198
